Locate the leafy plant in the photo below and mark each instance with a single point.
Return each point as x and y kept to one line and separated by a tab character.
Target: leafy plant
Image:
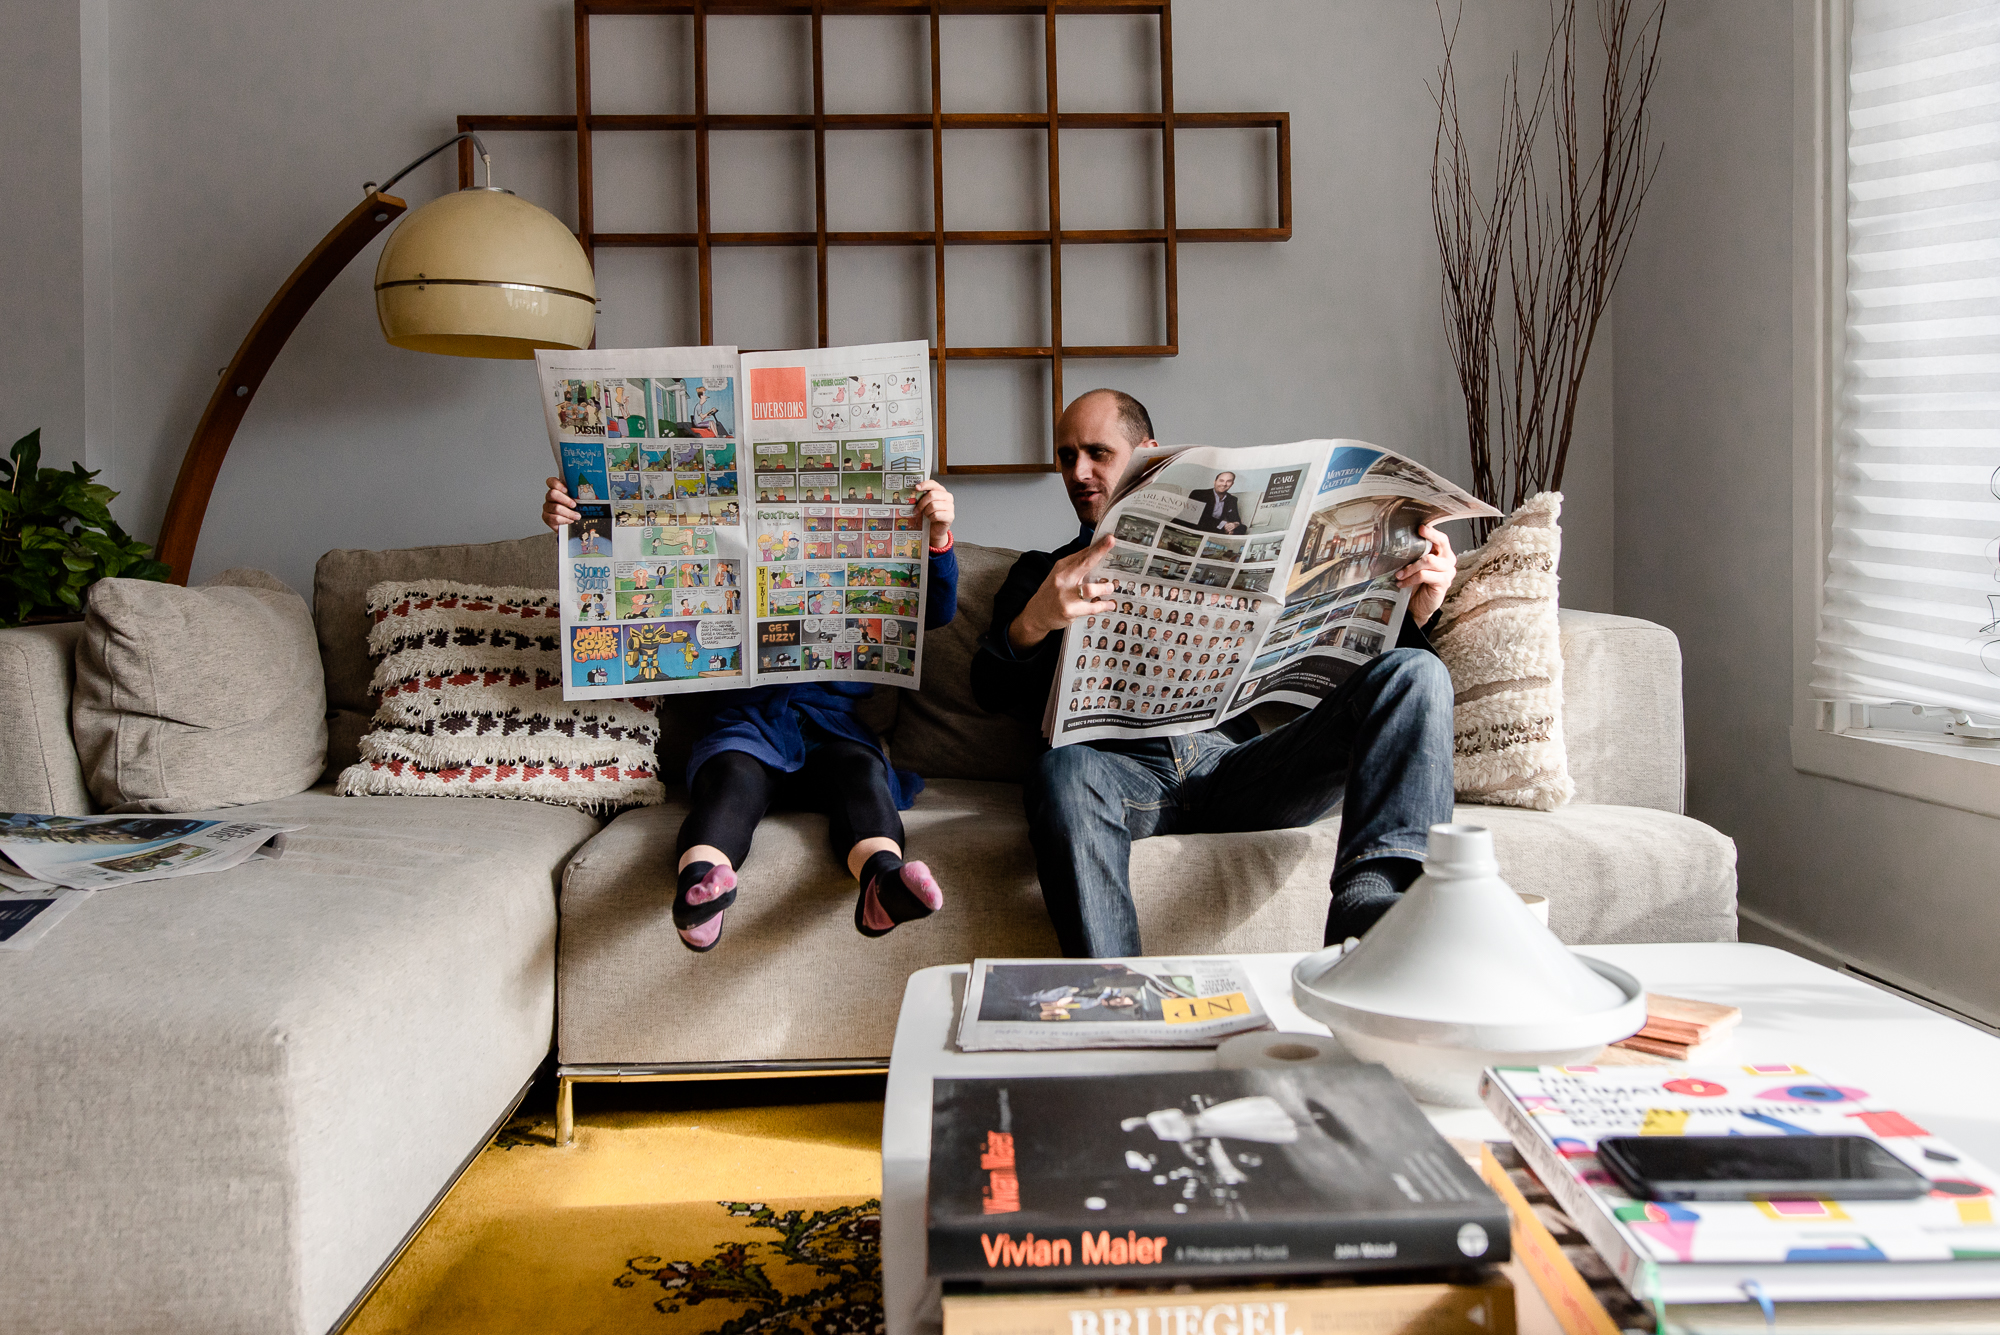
57	536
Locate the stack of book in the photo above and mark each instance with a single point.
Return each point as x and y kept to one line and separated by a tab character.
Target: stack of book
1681	1029
1301	1201
1608	1263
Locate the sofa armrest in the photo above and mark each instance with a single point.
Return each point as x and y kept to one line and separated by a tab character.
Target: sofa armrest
39	770
1622	721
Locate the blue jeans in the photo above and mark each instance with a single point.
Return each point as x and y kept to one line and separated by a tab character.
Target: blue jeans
1382	742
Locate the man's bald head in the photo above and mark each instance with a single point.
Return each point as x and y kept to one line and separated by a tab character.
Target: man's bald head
1095	438
1132	414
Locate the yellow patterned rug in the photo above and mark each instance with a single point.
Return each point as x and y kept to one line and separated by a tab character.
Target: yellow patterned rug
746	1221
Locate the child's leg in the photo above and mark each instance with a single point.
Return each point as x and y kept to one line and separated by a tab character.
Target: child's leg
730	794
867	831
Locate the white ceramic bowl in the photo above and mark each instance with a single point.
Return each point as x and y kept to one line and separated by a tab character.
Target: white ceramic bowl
1440	1063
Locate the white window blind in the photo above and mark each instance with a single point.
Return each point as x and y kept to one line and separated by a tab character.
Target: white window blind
1911	596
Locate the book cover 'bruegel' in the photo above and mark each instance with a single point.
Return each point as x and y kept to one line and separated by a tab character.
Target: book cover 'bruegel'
1063	1180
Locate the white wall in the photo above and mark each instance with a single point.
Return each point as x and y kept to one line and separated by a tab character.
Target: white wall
240	132
1704	529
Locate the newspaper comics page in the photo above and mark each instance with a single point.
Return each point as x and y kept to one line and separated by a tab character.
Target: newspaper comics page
835	445
652	576
1241	575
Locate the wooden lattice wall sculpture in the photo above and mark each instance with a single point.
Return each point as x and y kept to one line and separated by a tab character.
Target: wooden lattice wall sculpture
586	123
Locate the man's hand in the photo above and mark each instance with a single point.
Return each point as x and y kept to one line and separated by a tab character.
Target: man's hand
1430	575
557	507
1071	590
935	504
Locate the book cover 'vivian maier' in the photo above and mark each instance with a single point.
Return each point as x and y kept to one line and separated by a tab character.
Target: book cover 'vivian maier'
1061	1180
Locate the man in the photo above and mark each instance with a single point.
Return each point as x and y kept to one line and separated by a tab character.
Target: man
1218	508
1382	740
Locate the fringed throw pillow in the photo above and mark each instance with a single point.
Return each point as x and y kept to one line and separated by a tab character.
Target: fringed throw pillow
1499	636
469	684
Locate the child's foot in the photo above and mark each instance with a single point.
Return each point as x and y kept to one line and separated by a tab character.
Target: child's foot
705	890
894	891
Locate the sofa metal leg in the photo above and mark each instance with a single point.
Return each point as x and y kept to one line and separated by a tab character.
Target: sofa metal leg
565	1110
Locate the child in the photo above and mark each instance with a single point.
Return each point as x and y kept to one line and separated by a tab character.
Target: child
804	744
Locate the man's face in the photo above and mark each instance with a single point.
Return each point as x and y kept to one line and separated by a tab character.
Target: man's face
1223	482
1092	450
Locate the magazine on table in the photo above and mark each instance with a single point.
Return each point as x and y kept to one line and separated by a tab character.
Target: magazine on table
1034	1005
94	852
746	519
1244	576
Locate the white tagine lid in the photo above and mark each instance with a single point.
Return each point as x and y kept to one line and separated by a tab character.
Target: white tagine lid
1460	961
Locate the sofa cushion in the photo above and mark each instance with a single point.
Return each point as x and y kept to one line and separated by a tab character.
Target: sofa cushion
231	1095
790	956
940	731
192	699
1622	726
340	614
1498	634
470	680
39	770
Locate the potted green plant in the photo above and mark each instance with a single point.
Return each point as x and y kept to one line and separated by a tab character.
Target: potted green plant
57	538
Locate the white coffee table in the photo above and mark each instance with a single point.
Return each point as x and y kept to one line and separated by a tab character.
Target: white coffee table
1944	1074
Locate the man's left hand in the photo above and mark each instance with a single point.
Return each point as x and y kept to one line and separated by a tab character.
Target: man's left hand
1429	576
935	504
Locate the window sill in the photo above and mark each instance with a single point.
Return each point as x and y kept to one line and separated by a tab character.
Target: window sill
1915	765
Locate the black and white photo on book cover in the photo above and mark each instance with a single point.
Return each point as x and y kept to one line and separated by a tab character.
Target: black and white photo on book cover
1244	575
746	519
1322	1168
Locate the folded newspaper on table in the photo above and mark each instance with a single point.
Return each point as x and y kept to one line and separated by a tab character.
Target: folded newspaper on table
1241	576
94	852
1030	1005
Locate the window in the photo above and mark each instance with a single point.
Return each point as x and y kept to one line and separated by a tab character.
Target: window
1897	415
1911	604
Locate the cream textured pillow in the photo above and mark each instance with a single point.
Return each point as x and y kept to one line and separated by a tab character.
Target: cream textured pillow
469	680
191	699
1499	636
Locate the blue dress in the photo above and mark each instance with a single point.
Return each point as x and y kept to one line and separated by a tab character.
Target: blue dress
767	722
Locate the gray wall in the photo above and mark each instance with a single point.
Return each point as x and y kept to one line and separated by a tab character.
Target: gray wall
41	228
1704	529
239	132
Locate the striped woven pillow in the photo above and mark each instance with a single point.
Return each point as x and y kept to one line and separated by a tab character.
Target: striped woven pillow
1499	636
469	685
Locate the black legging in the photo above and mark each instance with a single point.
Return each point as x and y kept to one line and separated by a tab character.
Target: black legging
845	780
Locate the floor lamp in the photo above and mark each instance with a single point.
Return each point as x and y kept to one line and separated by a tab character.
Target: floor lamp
478	273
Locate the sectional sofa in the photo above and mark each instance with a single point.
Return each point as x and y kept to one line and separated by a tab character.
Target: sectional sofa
230	1099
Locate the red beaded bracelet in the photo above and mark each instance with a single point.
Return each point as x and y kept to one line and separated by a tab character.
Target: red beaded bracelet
948	540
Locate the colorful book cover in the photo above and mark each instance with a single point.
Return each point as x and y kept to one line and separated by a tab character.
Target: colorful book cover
1702	1251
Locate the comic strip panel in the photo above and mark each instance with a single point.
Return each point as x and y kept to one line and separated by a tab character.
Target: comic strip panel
579	408
584	472
595	656
696	407
626	414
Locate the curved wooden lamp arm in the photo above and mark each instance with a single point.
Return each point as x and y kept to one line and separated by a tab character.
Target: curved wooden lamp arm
203	460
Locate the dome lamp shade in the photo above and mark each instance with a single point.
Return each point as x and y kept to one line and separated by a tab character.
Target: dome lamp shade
483	273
